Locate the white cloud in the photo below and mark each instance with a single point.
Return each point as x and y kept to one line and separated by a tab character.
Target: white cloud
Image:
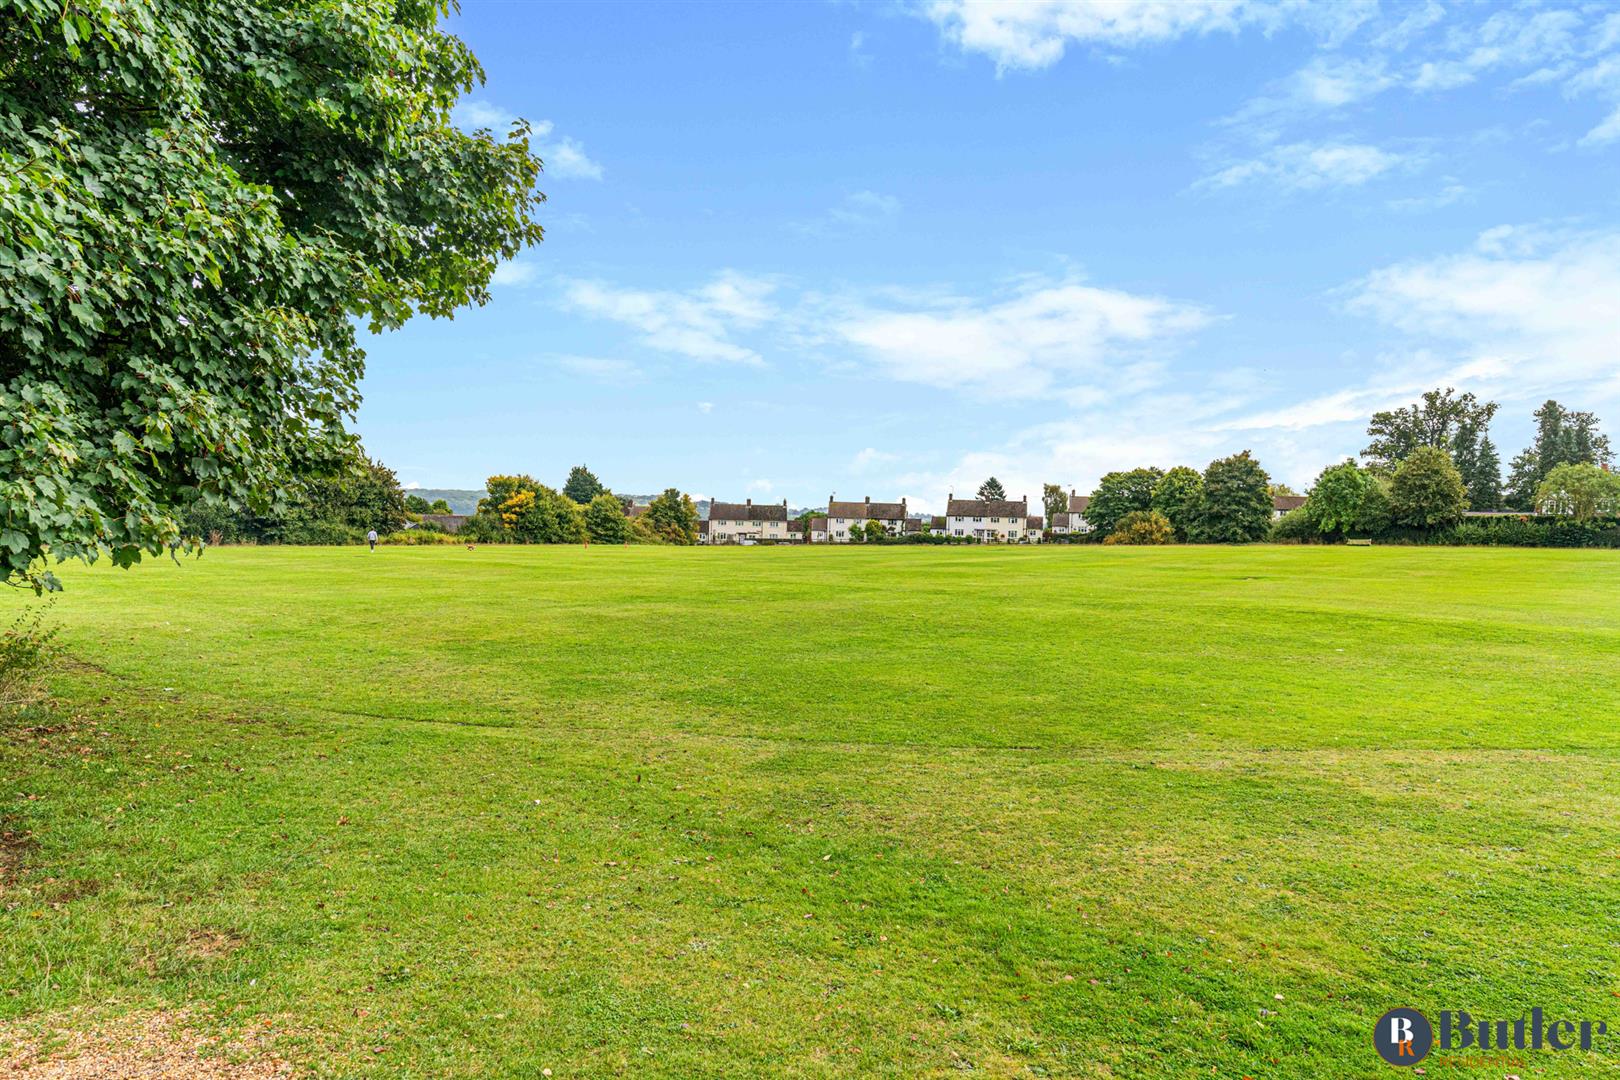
705	407
513	273
601	368
698	323
1607	131
871	456
1543	305
1033	34
563	155
762	486
1041	337
857	211
1309	166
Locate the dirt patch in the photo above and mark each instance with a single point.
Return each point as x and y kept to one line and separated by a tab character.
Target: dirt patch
144	1046
14	846
211	944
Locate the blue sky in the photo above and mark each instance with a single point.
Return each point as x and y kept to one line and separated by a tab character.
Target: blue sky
889	249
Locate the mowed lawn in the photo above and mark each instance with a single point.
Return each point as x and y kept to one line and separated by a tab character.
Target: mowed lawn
432	812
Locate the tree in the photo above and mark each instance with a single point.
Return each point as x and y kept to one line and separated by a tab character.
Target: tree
439	507
582	485
1428	491
672	517
1142	527
418	505
1237	502
875	530
1583	491
1178	496
1280	490
991	489
200	203
1336	499
1440	420
1118	493
543	515
605	522
1054	500
1563	437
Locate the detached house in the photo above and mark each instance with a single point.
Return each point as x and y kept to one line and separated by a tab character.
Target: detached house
747	523
845	517
1282	504
1033	529
1075	520
992	520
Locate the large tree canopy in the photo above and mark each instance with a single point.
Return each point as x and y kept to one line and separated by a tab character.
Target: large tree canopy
199	199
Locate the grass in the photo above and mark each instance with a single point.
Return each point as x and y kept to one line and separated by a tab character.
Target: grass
1132	813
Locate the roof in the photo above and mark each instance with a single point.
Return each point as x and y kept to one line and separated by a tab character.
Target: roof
818	524
1078	503
866	511
1287	502
1034	523
703	528
912	525
719	511
635	511
937	521
987	508
1063	521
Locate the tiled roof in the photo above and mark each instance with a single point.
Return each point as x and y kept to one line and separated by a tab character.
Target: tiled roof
1078	503
818	525
635	511
720	511
1287	502
1034	523
938	522
987	508
865	511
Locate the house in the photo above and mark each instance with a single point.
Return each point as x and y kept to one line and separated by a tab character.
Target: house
747	522
1282	504
992	520
936	525
1033	529
703	532
818	530
795	531
635	511
844	517
1075	520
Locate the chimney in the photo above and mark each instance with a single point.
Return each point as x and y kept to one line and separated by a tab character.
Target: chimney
869	500
750	502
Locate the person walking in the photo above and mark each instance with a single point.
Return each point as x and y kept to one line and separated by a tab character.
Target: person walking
371	538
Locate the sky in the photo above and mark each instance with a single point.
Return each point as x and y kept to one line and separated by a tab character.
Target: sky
890	249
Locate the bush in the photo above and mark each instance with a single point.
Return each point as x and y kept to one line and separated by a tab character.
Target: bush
1523	531
1142	527
1296	527
27	650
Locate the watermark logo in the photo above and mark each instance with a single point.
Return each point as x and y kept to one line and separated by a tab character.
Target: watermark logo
1403	1036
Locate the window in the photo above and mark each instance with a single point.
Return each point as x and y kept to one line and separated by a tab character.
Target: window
978	519
958	532
993	521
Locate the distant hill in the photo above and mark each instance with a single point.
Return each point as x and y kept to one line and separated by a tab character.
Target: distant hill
461	502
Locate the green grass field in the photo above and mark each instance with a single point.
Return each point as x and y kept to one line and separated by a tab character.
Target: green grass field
893	811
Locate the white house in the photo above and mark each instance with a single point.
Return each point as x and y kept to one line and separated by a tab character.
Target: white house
1282	504
1075	520
845	517
1033	528
747	523
991	520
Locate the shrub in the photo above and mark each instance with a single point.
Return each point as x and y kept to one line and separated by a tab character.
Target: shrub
27	650
1296	527
1142	527
1428	491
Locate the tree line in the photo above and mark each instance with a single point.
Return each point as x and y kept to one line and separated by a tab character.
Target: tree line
521	510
